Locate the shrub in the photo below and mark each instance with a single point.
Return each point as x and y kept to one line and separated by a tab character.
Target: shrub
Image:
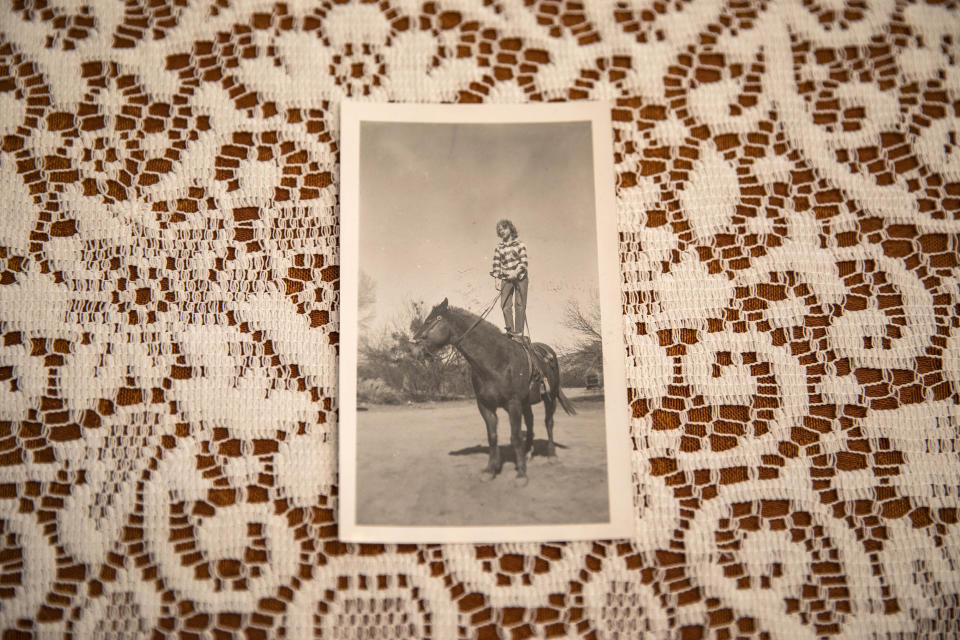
376	391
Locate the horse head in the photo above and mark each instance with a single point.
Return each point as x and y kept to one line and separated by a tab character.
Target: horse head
435	333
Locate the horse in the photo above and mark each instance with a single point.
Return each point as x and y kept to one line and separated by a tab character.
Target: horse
501	370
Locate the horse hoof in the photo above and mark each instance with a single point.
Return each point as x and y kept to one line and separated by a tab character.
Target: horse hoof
487	476
521	481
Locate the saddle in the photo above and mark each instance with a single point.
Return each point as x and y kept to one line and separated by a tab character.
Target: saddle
536	360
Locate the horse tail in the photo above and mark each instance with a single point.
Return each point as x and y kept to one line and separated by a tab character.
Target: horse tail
565	402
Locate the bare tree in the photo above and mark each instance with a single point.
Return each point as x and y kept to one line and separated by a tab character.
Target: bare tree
585	322
586	356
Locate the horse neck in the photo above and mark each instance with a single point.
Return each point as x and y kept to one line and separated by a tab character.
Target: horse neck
474	344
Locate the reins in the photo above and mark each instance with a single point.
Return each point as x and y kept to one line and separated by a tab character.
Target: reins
527	349
456	343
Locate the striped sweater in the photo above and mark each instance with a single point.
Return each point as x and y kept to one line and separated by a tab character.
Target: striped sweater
510	260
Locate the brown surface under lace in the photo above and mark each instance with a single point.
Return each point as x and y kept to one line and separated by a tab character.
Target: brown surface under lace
788	181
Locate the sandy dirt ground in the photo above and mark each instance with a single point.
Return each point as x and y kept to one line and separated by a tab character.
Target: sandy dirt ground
420	465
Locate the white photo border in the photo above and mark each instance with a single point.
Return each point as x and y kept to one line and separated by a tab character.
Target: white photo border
618	443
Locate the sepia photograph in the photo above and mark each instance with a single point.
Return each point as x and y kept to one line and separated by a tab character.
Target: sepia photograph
483	393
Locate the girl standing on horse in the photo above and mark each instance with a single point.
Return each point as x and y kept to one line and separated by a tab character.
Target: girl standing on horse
510	266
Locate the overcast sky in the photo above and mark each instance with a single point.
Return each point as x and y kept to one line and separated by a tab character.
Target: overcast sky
430	198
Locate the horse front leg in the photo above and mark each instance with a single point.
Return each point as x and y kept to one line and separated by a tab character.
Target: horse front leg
516	439
493	463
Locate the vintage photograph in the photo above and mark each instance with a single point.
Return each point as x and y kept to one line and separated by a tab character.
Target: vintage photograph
482	388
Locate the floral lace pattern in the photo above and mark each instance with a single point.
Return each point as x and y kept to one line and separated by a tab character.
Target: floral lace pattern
788	182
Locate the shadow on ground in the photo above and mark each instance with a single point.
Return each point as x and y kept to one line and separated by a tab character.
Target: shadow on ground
506	451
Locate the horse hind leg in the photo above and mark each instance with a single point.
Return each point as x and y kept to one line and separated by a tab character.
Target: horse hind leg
528	420
494	463
549	406
550	402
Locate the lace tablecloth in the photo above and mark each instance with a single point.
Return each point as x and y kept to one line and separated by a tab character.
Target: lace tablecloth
788	201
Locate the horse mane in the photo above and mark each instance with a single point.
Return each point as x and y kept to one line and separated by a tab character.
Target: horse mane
484	329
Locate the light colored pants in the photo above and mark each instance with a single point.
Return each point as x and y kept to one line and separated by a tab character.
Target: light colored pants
513	301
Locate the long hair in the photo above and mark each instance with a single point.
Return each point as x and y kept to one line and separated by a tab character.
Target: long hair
509	225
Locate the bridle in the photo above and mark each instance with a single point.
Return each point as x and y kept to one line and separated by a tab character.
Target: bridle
456	343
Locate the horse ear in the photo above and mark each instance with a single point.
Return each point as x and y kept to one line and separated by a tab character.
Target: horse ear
443	305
